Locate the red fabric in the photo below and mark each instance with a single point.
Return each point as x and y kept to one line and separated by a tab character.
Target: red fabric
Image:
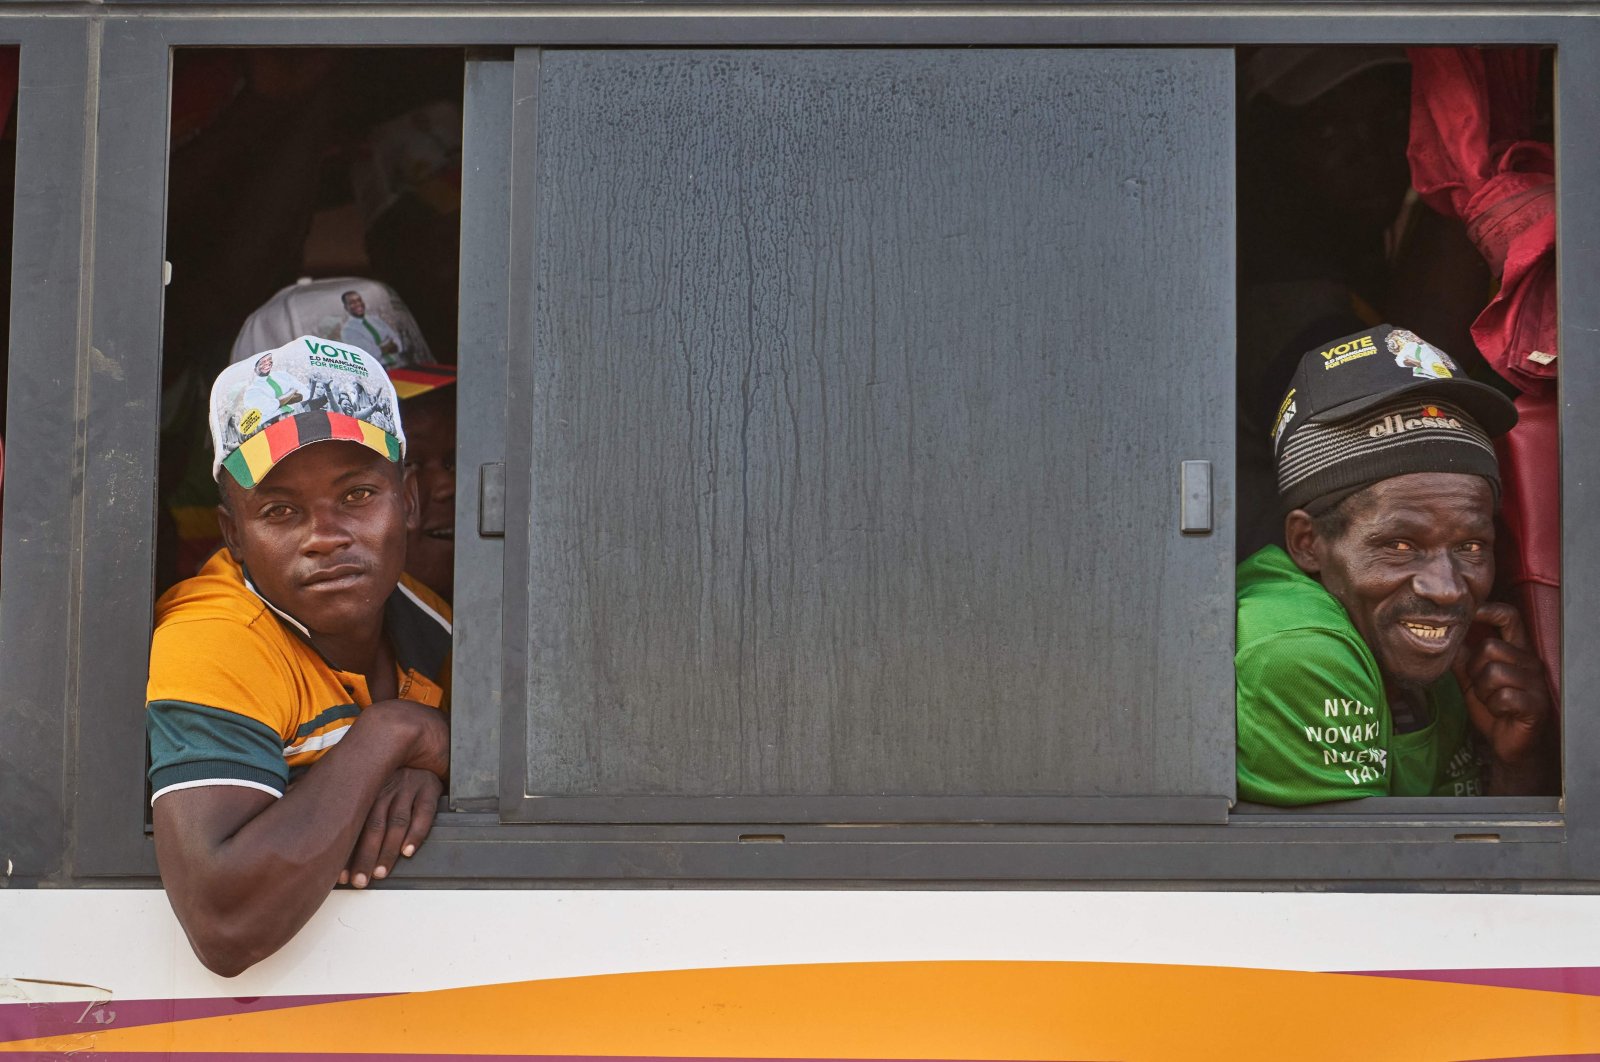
344	426
1472	113
1530	512
10	68
204	82
283	438
1472	110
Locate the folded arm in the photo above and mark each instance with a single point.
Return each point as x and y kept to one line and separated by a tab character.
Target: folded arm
245	870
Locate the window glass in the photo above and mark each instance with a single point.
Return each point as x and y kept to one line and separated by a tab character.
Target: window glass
859	390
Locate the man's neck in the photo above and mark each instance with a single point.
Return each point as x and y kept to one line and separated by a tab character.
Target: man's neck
1408	707
359	654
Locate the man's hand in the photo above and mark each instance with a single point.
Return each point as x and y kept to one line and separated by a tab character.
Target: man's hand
1508	702
396	825
429	749
402	813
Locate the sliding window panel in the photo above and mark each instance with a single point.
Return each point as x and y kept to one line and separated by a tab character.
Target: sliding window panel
851	395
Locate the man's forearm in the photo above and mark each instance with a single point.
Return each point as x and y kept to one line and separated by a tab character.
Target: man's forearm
242	890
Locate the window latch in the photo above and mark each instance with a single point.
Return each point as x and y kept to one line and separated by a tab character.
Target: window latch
492	500
1195	516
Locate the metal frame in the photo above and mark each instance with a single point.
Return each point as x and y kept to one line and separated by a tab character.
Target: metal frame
42	543
485	332
86	332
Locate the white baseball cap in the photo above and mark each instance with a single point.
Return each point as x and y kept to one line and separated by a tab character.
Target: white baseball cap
307	391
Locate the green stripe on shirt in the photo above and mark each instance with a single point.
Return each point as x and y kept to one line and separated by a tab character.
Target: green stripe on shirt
326	716
230	745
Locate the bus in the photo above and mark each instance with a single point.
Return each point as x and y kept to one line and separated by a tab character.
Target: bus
856	415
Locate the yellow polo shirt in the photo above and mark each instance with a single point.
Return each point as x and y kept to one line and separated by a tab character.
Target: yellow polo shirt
239	696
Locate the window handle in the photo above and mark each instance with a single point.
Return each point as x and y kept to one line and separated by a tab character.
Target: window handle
1195	516
492	500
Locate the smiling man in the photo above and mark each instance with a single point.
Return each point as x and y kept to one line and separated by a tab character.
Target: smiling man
1358	669
297	738
430	415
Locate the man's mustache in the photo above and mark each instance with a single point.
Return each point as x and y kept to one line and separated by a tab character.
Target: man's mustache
1416	608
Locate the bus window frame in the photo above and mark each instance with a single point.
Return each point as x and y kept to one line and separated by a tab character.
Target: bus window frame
91	211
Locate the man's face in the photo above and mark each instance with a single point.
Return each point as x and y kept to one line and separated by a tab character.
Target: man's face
355	305
323	536
264	365
430	422
1412	568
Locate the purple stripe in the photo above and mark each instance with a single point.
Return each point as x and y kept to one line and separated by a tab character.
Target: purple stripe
1578	980
1542	1058
25	1021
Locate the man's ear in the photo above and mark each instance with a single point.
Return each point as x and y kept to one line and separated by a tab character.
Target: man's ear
1301	540
230	531
413	497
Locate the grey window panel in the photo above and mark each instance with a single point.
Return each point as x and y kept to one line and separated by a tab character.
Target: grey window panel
849	476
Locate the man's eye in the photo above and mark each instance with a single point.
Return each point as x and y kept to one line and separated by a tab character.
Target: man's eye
276	512
360	494
1471	547
1400	545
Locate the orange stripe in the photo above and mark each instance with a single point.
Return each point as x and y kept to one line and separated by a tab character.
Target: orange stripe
926	1010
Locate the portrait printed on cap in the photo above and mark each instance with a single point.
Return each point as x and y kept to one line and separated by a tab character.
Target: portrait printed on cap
305	377
364	315
1426	361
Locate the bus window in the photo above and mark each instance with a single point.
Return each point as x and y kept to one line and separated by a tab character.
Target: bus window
1340	232
289	166
308	188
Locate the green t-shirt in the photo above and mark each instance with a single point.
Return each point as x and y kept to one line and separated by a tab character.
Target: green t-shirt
1313	719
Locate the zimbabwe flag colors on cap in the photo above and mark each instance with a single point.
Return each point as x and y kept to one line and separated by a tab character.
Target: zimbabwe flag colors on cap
307	391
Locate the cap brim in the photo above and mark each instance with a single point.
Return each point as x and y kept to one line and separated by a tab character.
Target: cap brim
1493	411
256	456
415	380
